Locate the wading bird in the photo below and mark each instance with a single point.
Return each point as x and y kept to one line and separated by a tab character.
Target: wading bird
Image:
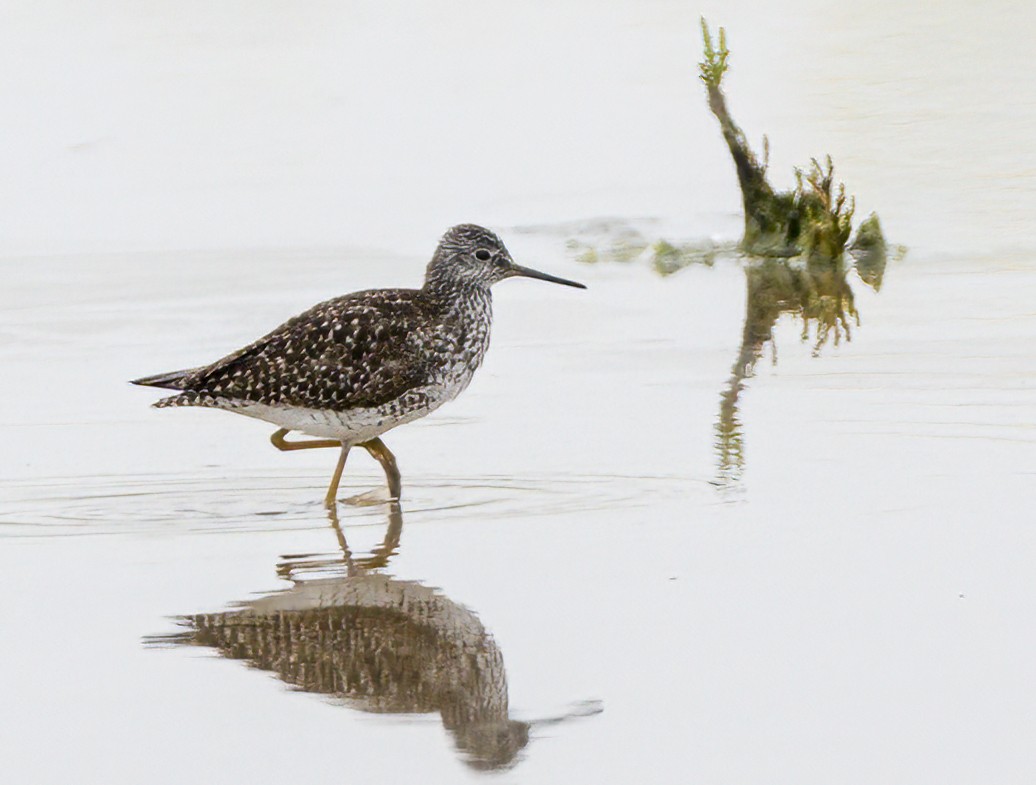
350	369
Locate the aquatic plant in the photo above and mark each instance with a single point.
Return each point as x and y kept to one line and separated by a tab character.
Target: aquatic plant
627	244
870	252
813	220
667	258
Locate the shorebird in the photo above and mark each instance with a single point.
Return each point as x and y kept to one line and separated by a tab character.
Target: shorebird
351	368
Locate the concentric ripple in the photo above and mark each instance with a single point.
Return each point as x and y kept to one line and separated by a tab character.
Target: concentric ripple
213	502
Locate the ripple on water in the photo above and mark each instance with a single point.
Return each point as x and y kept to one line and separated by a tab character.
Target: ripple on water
211	503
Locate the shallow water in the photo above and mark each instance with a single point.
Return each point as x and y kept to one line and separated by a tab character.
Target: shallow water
647	544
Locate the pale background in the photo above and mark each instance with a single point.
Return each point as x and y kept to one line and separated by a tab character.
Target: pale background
177	178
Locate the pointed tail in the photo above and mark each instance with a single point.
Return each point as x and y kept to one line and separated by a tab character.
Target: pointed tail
172	380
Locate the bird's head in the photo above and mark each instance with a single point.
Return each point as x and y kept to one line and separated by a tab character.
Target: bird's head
471	255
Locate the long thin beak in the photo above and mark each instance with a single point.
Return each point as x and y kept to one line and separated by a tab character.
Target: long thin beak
525	272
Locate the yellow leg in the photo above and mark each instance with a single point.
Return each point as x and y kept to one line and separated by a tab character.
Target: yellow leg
376	447
383	455
332	490
281	443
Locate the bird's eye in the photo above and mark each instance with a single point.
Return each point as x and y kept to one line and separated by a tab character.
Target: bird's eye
482	255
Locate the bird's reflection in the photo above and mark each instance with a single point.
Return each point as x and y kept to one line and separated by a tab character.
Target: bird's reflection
820	295
379	644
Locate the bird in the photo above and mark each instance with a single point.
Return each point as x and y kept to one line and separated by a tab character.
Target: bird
353	367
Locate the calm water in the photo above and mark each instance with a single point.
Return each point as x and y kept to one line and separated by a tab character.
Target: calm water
671	533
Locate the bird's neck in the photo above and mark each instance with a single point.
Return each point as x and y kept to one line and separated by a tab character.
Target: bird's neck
462	301
446	288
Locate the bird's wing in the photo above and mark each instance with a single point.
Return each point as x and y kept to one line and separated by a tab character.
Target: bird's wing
353	351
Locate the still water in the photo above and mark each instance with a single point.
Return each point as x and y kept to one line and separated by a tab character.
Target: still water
742	523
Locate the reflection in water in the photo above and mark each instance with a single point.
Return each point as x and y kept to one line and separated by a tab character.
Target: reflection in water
819	294
380	644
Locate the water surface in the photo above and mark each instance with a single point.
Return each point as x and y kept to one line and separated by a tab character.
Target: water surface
662	537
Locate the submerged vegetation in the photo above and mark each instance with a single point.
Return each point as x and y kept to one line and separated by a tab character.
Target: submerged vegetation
814	220
797	248
800	238
870	252
630	245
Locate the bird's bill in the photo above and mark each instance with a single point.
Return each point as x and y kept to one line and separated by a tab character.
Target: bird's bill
526	272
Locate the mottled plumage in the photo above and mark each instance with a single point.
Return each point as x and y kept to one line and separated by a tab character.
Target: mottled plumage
353	367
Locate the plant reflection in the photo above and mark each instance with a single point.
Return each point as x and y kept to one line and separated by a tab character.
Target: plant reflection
379	644
816	292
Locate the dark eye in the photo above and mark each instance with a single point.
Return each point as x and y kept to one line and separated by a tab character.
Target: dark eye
482	255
